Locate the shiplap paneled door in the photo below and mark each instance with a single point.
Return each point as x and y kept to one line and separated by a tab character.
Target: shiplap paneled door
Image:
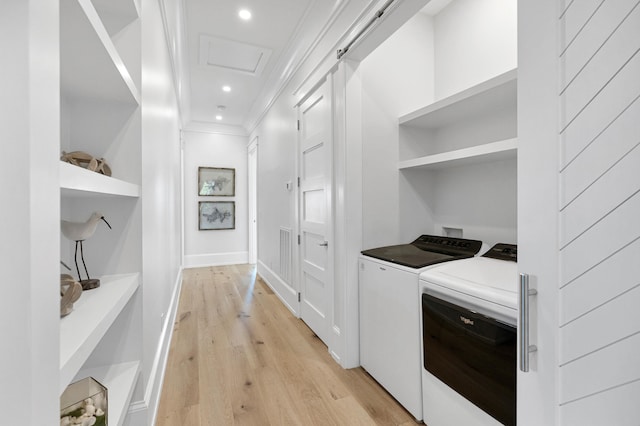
579	204
599	239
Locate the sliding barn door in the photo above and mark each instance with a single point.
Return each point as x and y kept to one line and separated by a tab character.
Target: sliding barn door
578	210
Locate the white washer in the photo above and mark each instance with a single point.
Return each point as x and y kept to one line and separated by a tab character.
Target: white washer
471	295
390	312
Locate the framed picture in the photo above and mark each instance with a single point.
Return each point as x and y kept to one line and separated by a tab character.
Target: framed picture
216	215
216	181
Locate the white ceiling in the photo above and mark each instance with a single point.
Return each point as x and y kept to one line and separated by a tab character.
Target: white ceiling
253	57
245	55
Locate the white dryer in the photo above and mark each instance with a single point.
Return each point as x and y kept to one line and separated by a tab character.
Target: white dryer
468	326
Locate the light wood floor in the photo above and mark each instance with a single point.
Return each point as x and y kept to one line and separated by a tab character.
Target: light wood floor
239	357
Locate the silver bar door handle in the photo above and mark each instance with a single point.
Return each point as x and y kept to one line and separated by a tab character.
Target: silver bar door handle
325	244
523	309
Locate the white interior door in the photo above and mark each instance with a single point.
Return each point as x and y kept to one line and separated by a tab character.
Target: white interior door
315	141
252	161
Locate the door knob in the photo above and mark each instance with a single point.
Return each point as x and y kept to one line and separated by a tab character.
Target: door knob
325	244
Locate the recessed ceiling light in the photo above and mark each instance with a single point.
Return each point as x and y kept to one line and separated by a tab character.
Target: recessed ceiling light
218	117
226	88
244	14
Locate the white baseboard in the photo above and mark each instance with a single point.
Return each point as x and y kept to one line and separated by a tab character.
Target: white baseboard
137	414
145	411
287	294
216	259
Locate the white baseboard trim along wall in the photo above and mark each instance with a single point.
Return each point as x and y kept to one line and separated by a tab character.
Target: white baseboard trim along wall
141	411
215	259
285	293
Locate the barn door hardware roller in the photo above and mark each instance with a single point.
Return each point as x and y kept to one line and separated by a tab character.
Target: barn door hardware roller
378	14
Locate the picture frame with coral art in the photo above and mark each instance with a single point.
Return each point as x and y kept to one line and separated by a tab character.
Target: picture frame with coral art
216	181
215	215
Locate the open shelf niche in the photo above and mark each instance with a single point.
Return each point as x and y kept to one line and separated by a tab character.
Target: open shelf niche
457	163
100	115
475	125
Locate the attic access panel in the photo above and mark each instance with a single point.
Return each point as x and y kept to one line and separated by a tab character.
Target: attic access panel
233	55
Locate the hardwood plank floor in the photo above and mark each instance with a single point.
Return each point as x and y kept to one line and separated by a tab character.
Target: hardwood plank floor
239	357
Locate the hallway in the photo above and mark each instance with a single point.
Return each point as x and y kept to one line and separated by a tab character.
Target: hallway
238	356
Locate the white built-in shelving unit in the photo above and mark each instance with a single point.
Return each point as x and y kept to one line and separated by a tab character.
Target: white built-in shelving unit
485	112
457	163
100	114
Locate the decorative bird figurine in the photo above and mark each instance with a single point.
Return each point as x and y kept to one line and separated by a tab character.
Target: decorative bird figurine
78	232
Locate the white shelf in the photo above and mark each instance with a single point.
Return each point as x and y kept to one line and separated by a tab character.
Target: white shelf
476	154
93	314
90	65
495	94
79	182
120	380
116	14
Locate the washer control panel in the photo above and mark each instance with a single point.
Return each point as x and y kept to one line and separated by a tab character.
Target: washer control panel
503	251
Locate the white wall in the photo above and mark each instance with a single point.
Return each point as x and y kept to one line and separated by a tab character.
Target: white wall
480	199
397	78
161	208
215	247
276	166
474	41
174	14
29	217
